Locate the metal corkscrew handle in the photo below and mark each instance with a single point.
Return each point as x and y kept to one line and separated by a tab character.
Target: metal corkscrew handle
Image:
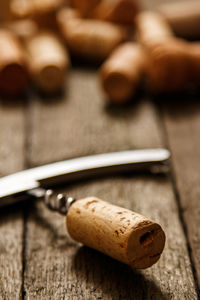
34	182
58	202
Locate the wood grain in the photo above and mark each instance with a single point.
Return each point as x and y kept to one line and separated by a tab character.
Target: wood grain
67	127
12	137
55	266
183	131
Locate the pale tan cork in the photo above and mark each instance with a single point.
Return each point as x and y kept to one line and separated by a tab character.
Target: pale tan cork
48	60
92	40
122	71
118	232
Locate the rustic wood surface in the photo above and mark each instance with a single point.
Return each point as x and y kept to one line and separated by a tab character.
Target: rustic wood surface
12	153
55	265
37	259
183	129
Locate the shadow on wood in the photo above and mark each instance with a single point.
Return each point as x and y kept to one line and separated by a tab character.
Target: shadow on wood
107	277
179	105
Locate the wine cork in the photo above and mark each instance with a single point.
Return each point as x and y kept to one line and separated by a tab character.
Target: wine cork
91	39
118	232
119	11
47	6
13	67
48	61
168	66
121	73
22	9
45	13
151	28
42	12
183	17
32	8
23	29
167	56
84	6
66	14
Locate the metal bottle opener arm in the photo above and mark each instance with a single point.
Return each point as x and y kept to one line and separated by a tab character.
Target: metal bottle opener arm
19	186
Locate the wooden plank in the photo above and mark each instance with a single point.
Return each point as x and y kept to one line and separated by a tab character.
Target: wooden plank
182	121
58	268
60	126
12	137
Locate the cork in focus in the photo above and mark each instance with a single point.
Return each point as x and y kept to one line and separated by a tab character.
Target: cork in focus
118	232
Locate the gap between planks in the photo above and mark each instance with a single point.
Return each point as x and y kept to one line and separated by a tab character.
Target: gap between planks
182	127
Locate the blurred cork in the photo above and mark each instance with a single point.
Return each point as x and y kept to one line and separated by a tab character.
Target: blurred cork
66	14
92	40
119	11
13	67
121	73
183	17
118	232
84	6
152	28
42	12
23	29
168	66
168	60
22	9
48	60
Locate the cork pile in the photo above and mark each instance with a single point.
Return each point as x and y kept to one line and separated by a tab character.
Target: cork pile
38	39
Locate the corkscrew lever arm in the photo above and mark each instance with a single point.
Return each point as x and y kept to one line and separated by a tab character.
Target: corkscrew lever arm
19	186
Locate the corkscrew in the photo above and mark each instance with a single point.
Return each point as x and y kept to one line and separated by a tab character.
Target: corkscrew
118	232
58	202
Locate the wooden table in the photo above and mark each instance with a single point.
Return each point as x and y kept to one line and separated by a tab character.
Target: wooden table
37	259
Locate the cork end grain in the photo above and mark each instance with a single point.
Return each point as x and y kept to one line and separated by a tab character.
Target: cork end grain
117	86
51	77
14	76
146	247
121	73
14	79
48	61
